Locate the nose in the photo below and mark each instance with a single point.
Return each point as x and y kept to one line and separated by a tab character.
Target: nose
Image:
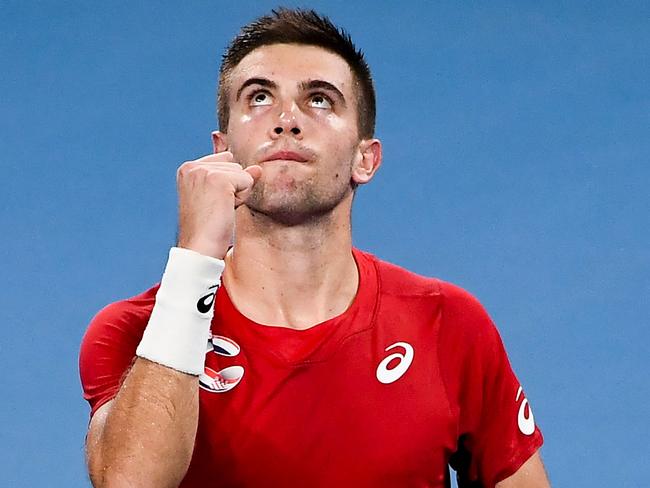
287	124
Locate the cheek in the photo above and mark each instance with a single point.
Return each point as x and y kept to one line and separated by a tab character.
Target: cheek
242	124
241	135
336	123
343	130
245	119
342	138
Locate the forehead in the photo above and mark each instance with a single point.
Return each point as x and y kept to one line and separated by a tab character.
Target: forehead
293	63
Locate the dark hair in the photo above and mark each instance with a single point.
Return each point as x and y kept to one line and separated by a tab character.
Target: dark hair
288	26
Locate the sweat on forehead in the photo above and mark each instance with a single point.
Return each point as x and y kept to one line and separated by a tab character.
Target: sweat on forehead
290	68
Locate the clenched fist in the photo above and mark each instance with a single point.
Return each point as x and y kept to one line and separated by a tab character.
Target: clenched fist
209	191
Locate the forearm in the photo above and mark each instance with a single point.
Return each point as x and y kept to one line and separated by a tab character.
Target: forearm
148	433
145	437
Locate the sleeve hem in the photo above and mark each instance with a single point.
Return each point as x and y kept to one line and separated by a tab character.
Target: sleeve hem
96	406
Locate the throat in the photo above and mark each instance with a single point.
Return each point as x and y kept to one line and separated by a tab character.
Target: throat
294	292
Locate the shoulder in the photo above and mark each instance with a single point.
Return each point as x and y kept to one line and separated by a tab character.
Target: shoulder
128	316
397	281
109	345
464	322
462	307
461	312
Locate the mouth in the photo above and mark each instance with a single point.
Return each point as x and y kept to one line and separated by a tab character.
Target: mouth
285	156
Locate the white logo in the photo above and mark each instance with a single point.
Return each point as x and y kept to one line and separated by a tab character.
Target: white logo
221	381
227	378
223	346
385	375
525	422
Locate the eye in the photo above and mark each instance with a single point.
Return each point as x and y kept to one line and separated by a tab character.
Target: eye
320	101
260	99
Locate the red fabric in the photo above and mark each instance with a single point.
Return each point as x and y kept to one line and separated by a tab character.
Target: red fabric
309	409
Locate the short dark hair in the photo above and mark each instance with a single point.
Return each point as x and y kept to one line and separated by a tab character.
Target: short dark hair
307	27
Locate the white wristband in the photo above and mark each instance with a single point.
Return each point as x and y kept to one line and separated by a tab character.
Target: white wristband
179	327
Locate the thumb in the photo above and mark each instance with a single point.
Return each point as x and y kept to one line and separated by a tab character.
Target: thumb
255	171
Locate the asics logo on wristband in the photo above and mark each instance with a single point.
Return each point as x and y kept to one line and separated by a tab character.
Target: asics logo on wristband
386	375
205	303
525	420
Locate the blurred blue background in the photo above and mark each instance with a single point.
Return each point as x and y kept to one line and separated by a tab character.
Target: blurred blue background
517	164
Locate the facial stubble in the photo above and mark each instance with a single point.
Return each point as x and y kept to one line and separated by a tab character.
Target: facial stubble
290	201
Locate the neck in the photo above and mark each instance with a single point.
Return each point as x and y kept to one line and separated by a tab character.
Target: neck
292	276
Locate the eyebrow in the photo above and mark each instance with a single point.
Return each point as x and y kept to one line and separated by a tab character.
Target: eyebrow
305	85
256	81
323	85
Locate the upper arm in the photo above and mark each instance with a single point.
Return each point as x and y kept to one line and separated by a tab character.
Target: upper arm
496	427
93	441
108	350
530	475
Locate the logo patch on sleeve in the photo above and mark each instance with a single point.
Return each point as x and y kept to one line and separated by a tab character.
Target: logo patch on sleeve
525	419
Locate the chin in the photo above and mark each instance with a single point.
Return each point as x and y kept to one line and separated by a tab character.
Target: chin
298	206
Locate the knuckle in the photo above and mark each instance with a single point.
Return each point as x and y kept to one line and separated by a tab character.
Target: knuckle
184	168
214	176
217	179
232	166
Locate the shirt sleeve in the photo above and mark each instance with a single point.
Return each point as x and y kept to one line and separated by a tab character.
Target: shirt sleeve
496	427
108	347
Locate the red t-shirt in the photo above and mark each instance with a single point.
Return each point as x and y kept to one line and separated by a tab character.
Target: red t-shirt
411	378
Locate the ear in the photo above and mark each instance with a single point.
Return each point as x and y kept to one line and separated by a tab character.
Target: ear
368	161
219	141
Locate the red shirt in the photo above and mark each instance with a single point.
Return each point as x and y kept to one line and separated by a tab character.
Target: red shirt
411	378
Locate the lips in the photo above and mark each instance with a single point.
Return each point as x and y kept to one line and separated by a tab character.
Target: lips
286	156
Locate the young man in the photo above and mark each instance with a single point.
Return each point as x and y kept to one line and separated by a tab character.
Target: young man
314	364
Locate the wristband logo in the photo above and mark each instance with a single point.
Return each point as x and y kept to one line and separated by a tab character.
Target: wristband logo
205	303
225	379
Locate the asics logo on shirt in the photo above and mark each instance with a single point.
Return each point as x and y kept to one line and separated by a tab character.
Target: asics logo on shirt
525	419
205	303
385	375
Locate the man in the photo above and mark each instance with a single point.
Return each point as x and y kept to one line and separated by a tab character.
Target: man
324	365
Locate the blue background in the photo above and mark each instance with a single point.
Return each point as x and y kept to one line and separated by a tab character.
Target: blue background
516	165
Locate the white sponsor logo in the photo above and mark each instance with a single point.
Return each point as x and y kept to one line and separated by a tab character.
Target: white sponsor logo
385	375
525	421
223	346
227	378
221	381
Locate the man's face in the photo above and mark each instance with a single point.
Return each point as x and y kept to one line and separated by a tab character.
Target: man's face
293	111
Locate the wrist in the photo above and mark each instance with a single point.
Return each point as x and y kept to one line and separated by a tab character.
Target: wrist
205	247
179	327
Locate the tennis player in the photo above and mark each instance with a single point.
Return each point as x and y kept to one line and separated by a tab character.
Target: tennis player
291	358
